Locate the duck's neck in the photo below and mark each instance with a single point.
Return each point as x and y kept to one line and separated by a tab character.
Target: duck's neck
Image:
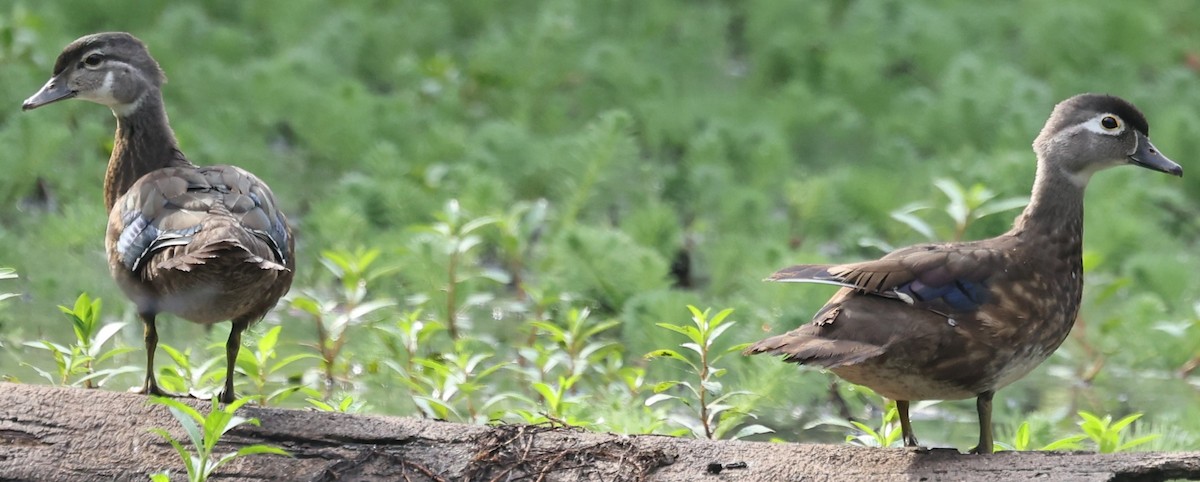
1055	209
144	143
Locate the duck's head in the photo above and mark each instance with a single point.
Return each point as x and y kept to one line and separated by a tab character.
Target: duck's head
113	69
1091	132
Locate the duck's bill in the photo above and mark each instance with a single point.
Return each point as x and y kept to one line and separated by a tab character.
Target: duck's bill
1150	157
54	91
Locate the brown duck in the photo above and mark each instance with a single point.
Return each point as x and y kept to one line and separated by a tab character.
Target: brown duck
207	244
958	320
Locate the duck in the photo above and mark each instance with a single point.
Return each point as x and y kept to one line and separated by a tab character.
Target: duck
952	321
206	244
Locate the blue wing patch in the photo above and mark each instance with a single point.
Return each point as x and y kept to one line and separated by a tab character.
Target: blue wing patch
959	295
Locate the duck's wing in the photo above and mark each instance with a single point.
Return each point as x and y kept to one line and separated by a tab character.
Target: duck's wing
940	277
178	218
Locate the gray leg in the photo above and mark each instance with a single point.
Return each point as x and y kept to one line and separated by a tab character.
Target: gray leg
232	346
906	430
984	405
150	386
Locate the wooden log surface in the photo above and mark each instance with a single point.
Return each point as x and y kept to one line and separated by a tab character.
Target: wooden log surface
53	433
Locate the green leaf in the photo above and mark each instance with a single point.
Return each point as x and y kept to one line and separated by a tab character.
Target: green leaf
266	343
653	399
754	429
682	330
663	386
1137	441
1065	443
1122	423
666	352
106	332
716	333
1021	439
183	408
261	449
179	449
320	405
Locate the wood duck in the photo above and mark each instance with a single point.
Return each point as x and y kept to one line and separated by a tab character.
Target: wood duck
207	244
951	321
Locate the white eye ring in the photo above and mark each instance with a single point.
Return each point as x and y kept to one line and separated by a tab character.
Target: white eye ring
1108	124
93	60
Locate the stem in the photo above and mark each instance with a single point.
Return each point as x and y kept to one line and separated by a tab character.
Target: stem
326	359
708	432
451	309
87	366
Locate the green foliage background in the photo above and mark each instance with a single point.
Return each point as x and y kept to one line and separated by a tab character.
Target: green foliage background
741	136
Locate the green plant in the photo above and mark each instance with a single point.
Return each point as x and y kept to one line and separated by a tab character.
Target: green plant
714	414
346	405
408	338
335	314
575	340
457	235
557	405
1022	440
963	207
185	374
1107	435
453	386
204	432
887	435
8	273
262	370
88	350
518	230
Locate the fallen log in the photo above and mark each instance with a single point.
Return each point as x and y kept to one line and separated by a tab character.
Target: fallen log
52	433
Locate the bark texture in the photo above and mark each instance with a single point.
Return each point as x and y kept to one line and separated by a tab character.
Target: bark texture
50	434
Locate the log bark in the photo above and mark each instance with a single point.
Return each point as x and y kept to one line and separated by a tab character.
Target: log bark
51	433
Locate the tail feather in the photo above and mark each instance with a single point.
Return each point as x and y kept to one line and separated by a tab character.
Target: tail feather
810	350
809	273
221	248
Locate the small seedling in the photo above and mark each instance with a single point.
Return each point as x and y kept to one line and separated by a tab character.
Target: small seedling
456	235
887	435
1023	440
1107	435
262	371
577	339
346	405
204	432
348	306
188	374
714	412
88	350
453	386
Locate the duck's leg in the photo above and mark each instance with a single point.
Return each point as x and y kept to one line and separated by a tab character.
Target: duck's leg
232	346
150	386
984	405
906	430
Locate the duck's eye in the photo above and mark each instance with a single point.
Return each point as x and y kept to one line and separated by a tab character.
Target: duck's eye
93	60
1110	122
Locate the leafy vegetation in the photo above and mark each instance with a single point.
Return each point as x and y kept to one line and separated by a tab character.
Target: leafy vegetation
80	359
498	204
204	432
713	406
